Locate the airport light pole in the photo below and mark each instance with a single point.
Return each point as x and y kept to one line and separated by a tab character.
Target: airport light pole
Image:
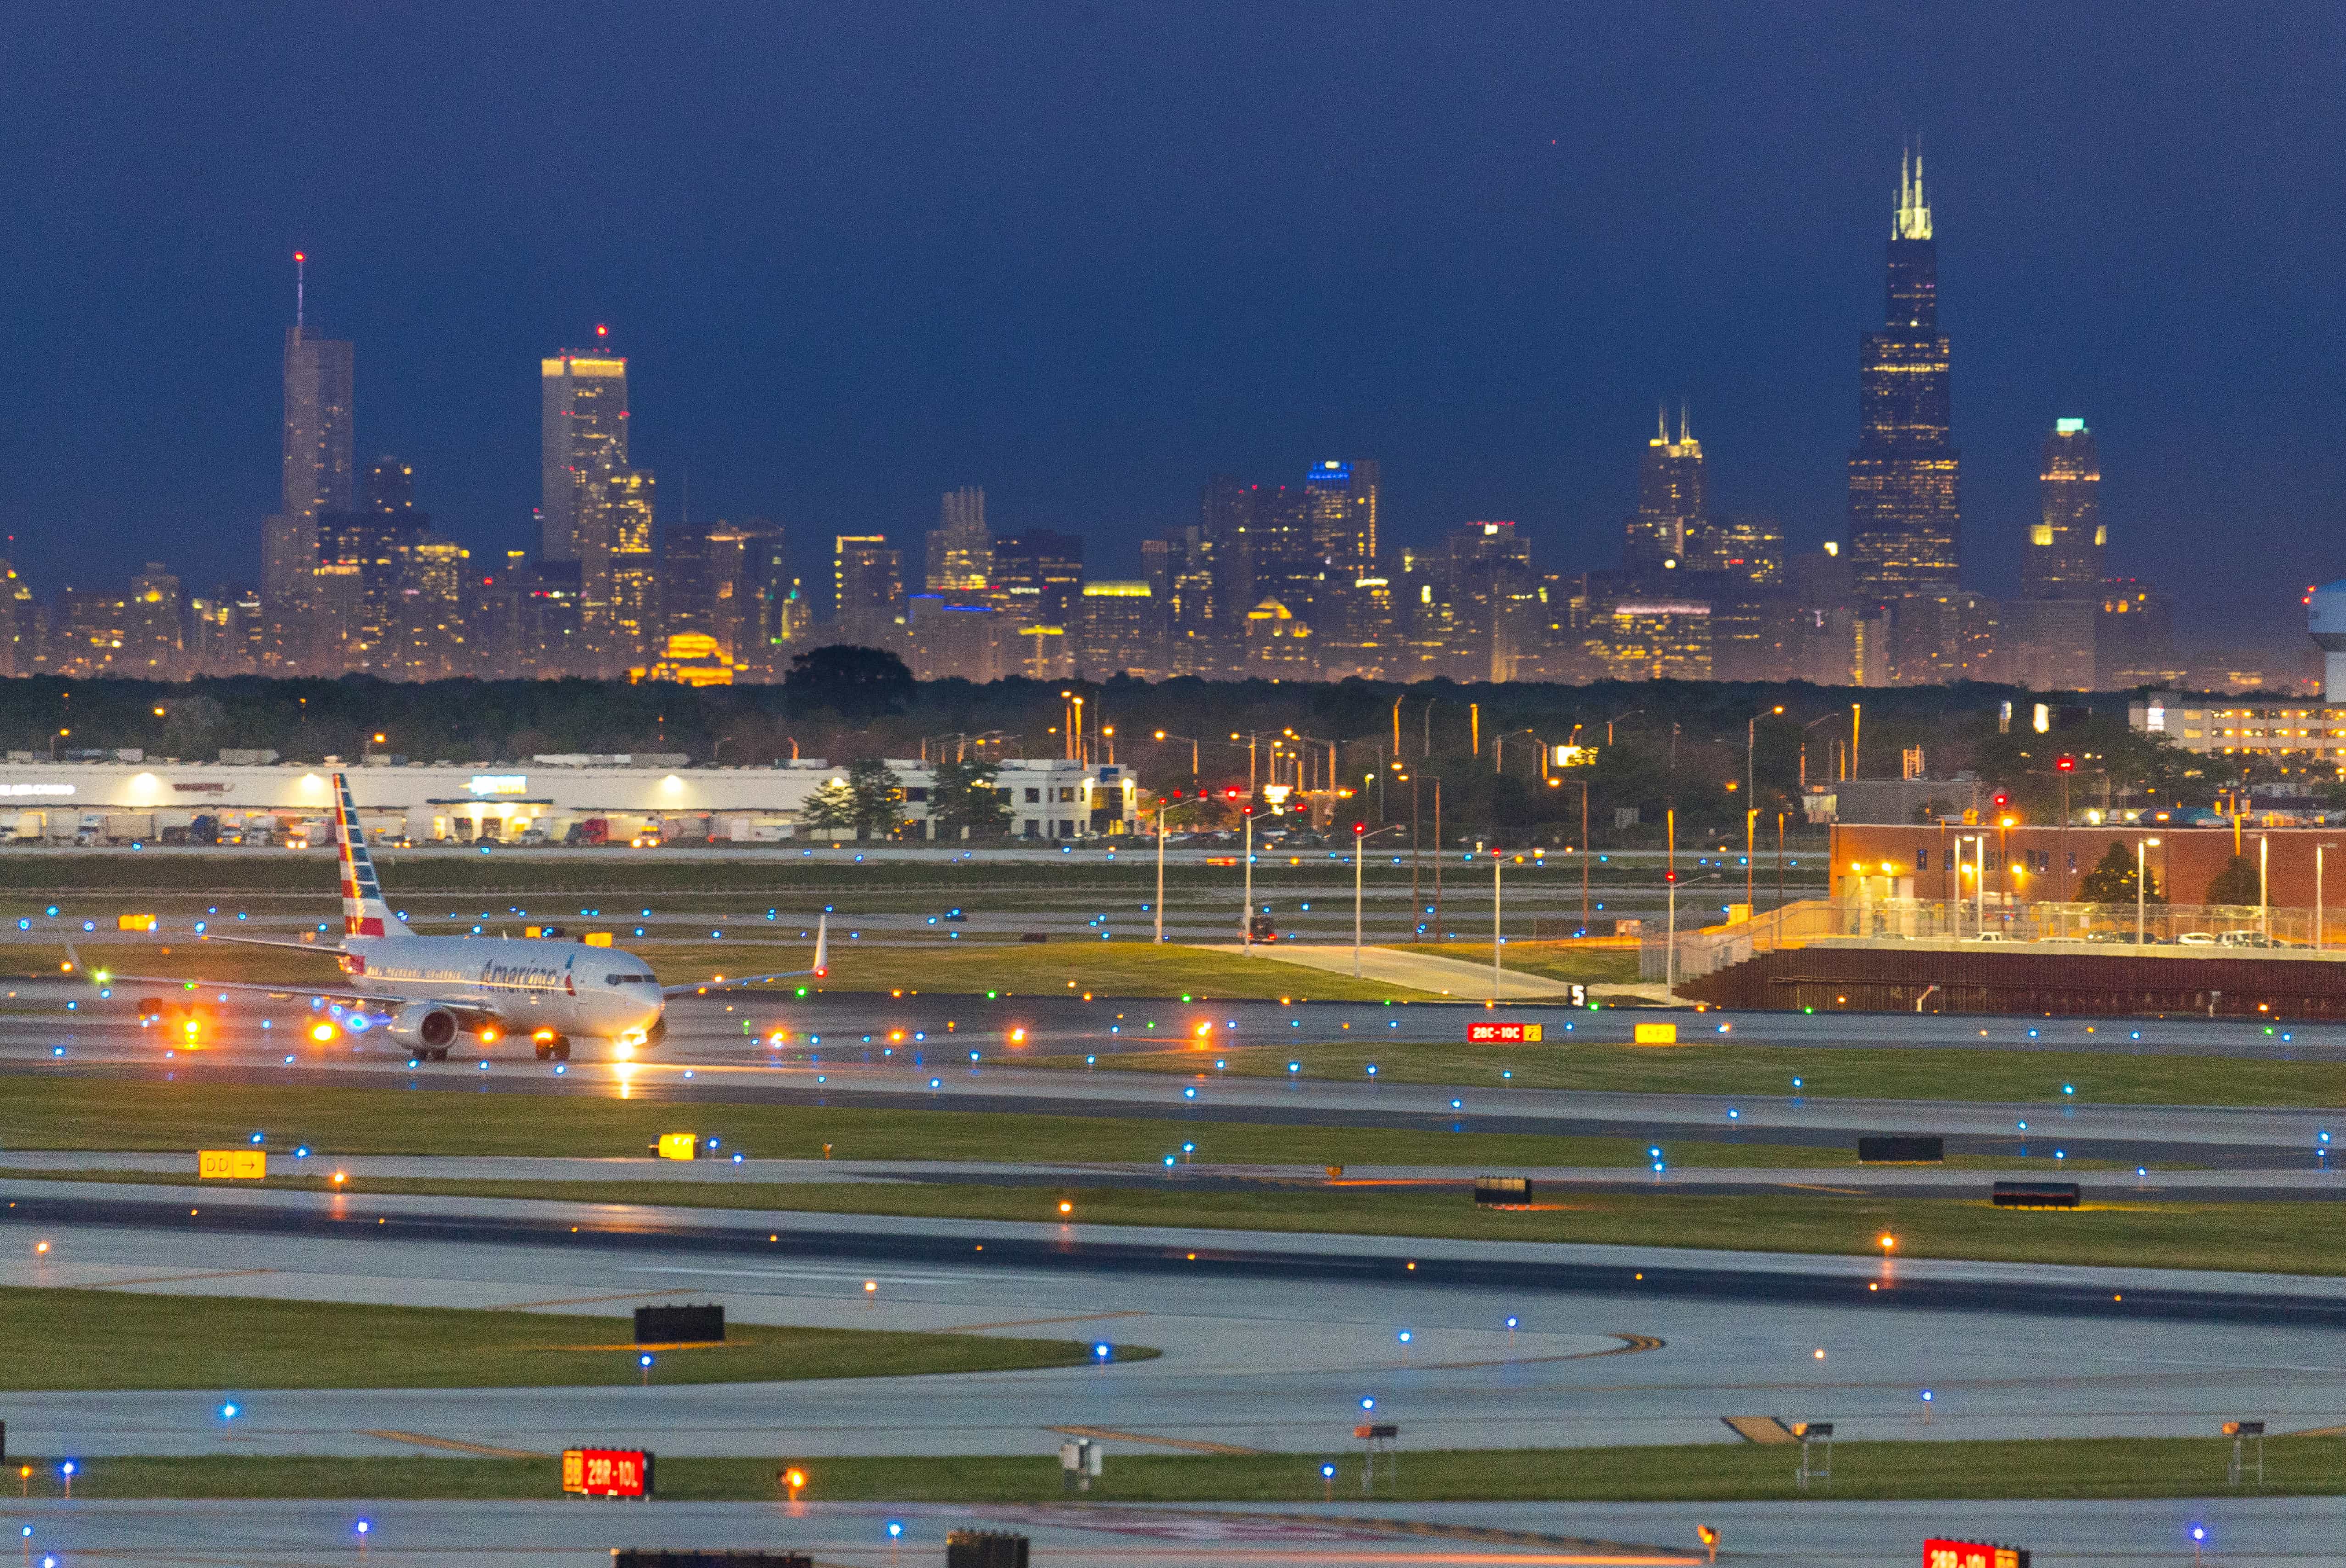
1360	836
2141	899
1246	921
1161	810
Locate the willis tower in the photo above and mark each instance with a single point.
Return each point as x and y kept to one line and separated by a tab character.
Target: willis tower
1905	507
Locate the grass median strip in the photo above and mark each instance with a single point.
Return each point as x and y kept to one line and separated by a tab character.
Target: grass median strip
60	1339
1877	1470
1962	1072
2274	1238
41	1112
929	965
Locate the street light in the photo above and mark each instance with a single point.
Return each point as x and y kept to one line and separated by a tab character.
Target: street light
1751	793
1192	740
1360	836
1161	810
2140	847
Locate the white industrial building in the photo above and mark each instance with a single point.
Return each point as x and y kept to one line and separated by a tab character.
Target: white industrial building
616	799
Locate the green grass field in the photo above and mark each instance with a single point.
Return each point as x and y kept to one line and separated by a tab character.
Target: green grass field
118	1340
2044	1467
931	965
1917	1073
189	1116
64	1113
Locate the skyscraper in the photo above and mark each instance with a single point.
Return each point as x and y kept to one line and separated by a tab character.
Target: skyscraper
2064	558
583	431
1904	500
960	552
1673	517
319	469
1341	499
867	591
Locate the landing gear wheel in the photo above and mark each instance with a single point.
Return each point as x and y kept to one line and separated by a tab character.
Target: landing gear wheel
562	1050
441	1055
544	1051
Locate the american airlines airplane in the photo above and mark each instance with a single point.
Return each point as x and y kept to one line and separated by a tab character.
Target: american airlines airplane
428	992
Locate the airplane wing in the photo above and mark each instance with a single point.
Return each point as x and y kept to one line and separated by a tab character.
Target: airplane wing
106	979
821	967
271	942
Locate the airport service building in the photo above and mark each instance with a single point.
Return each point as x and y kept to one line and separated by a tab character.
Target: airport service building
593	800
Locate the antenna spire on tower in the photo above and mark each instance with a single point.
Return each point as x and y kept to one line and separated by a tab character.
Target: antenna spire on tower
300	281
1914	217
1682	421
1662	421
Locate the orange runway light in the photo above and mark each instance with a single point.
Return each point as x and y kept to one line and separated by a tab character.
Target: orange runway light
1066	1207
321	1032
1888	1243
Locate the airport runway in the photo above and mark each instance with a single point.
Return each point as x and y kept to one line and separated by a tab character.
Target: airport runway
1269	1341
2243	1532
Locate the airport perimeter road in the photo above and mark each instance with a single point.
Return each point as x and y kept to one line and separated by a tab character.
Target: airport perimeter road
2242	1532
1270	1342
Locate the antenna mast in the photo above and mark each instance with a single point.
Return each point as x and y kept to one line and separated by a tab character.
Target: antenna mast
300	283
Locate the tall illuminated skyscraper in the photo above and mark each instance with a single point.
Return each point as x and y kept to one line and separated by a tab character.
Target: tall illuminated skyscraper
1904	499
1340	500
960	552
583	434
1673	518
2064	558
320	472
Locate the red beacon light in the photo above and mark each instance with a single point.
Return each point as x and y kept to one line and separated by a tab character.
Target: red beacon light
2066	764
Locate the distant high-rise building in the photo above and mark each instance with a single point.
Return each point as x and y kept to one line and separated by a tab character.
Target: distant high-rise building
1673	518
750	593
867	591
390	485
1038	575
960	552
1904	495
1118	630
1341	500
1751	549
152	639
319	471
1263	542
2064	558
583	433
2134	637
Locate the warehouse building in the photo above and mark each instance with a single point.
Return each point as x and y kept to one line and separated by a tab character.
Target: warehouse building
552	800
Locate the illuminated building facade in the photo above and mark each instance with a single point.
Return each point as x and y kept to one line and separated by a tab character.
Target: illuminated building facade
319	476
2064	558
1118	629
582	432
1904	493
1652	639
1341	502
867	591
1670	531
960	553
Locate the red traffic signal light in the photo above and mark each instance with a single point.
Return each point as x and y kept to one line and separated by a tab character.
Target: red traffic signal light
1359	829
2002	799
2067	764
1670	876
1232	793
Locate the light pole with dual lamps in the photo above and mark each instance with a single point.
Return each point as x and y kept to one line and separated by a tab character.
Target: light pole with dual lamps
1361	834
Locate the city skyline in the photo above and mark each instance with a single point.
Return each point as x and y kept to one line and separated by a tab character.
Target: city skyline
1494	369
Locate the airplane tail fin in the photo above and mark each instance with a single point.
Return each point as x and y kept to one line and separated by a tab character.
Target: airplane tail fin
364	912
821	946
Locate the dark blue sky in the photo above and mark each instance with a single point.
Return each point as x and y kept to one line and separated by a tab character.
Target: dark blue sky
1082	255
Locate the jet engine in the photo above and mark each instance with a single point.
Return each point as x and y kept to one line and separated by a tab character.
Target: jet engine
421	1026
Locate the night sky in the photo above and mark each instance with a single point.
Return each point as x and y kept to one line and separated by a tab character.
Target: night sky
1084	255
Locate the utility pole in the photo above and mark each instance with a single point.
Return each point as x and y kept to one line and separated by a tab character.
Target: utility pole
1497	860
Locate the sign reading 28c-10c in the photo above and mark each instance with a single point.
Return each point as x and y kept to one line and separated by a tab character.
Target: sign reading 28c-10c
1938	1553
1503	1033
608	1472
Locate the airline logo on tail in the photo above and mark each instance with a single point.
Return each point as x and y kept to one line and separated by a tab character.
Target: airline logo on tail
364	913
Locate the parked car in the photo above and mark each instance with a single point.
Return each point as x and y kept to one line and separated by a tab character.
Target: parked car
2196	939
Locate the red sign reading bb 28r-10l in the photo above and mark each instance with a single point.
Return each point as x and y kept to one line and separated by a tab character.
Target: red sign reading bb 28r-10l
1503	1034
1938	1553
608	1472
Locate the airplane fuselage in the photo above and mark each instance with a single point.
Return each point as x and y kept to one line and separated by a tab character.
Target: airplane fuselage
529	985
